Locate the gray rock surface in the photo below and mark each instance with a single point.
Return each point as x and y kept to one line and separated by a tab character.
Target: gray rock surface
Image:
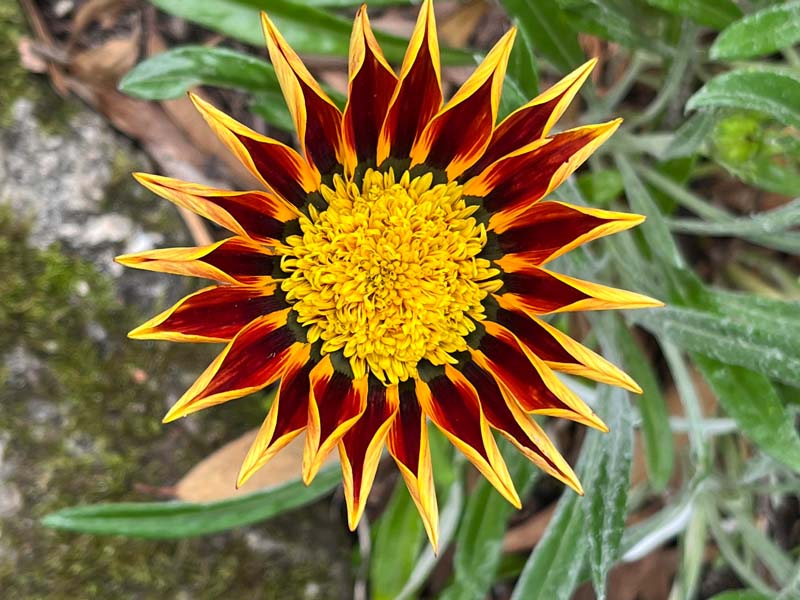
80	405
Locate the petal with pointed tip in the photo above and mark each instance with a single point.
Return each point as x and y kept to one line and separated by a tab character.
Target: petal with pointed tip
276	165
317	120
256	215
255	358
335	404
540	291
372	82
533	120
360	448
559	351
287	418
234	260
514	183
515	425
525	379
418	94
214	314
458	135
408	445
548	230
452	404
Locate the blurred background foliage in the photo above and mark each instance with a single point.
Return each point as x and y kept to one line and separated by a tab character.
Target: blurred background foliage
695	492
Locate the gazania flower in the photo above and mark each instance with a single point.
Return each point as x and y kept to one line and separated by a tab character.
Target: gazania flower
393	273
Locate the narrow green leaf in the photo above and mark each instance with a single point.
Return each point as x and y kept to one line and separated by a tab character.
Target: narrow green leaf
713	13
740	595
479	543
655	228
601	187
398	537
690	136
705	209
549	30
656	434
752	401
522	76
448	522
172	73
775	92
170	520
778	220
307	29
760	33
607	482
553	569
348	3
728	339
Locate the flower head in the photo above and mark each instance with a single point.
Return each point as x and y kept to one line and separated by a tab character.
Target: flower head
393	273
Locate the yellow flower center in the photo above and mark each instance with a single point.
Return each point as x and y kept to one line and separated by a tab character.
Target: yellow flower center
389	273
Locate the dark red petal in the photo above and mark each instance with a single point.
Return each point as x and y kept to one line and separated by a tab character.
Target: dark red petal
539	291
372	83
516	182
533	120
418	95
559	351
408	445
214	314
317	120
287	418
457	136
452	404
256	215
234	260
549	229
518	427
335	404
279	167
525	379
360	448
255	358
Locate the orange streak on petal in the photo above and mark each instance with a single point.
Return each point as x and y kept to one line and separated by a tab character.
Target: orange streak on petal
276	165
234	260
596	134
287	417
371	85
221	206
418	95
457	136
213	314
360	449
517	427
483	183
574	409
470	432
316	117
255	358
335	404
408	438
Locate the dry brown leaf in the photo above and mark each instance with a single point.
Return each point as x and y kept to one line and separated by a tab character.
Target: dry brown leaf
214	478
457	28
106	64
190	121
647	579
30	58
680	440
106	12
528	533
